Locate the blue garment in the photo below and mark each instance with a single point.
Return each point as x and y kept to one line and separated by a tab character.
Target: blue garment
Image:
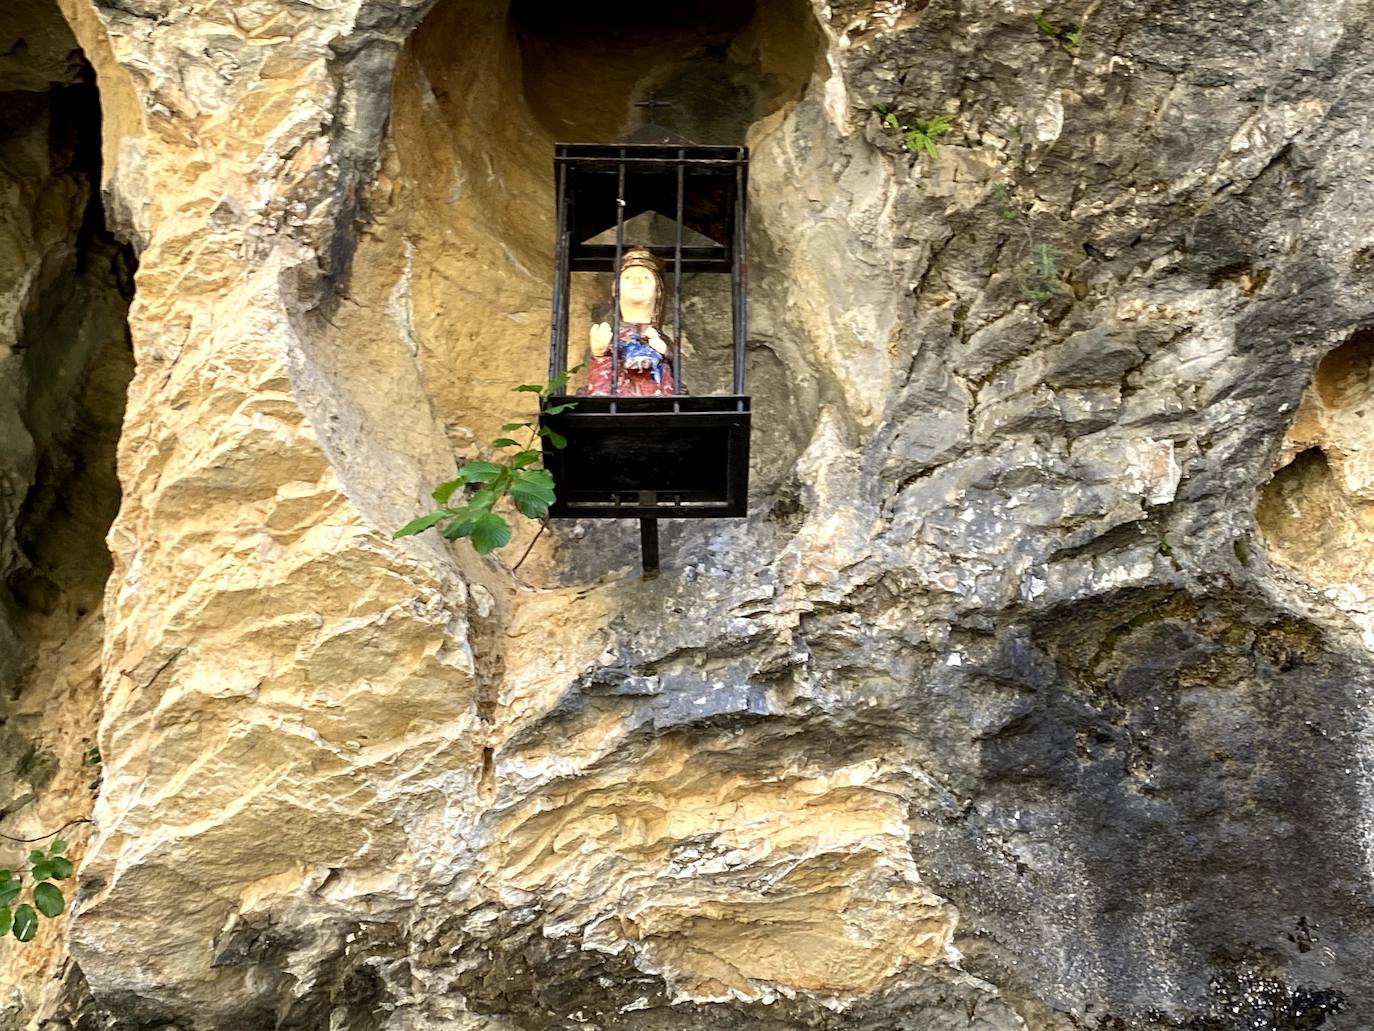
633	348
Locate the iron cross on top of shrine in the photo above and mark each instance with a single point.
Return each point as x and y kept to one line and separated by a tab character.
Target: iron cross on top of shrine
652	103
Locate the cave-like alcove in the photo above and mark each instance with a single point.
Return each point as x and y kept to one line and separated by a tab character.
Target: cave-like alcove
458	259
65	366
720	65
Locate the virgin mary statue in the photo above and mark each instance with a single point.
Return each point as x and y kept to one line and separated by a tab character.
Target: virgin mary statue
645	368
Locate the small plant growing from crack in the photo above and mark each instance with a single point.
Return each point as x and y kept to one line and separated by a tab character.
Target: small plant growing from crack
1040	282
918	135
45	866
1040	277
466	501
1167	550
1070	37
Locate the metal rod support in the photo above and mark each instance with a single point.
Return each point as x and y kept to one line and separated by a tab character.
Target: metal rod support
648	540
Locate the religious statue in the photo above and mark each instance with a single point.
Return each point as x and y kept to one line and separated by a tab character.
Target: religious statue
645	367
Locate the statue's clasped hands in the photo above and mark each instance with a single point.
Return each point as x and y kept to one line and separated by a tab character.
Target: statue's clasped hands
601	339
651	337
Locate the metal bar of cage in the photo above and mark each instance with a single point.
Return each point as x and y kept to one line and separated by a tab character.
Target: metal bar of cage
677	279
608	160
737	272
558	317
615	273
598	258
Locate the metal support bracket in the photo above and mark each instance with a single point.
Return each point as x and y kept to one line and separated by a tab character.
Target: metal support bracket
648	536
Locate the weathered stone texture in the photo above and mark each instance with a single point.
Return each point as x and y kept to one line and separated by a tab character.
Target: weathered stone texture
1035	690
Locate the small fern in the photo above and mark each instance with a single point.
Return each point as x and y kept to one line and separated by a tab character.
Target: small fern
921	136
1070	37
918	135
1041	281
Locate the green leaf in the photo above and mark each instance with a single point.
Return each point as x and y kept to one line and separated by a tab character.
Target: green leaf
505	442
890	120
6	919
555	438
49	900
25	923
57	847
524	458
557	383
421	523
1044	261
490	533
10	892
535	478
529	388
445	490
42	870
61	868
531	495
5	877
532	491
483	500
1044	25
479	472
557	409
512	426
460	528
37	856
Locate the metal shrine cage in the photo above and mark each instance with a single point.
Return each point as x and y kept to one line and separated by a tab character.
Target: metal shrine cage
677	455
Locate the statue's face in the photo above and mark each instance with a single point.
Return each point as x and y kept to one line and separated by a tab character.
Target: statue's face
638	287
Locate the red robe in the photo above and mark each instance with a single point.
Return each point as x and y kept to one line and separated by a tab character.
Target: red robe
633	383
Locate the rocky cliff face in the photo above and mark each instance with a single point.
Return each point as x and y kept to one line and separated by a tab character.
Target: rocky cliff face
1033	693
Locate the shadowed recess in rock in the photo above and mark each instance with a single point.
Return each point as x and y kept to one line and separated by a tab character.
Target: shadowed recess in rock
720	65
65	365
451	282
1316	515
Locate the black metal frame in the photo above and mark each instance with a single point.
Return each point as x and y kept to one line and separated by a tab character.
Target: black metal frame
603	474
603	186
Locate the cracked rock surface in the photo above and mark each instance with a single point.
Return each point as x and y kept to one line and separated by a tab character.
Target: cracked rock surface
1035	690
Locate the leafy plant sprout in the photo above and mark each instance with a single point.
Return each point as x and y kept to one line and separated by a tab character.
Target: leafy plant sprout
1041	281
1040	274
45	866
480	485
918	135
1070	37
